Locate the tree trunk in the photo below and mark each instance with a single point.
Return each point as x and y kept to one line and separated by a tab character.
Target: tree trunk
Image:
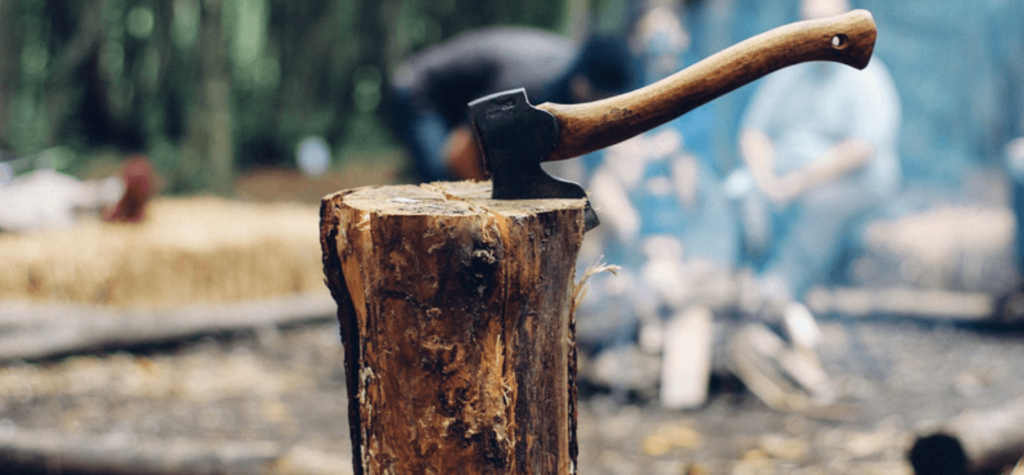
11	37
456	317
209	150
80	49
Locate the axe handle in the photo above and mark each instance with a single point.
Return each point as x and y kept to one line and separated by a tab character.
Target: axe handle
847	38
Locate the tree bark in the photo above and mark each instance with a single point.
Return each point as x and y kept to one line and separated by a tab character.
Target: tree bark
456	317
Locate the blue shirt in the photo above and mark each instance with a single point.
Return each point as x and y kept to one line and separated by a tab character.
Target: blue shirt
808	108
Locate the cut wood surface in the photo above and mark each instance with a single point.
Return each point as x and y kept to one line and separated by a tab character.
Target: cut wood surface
455	312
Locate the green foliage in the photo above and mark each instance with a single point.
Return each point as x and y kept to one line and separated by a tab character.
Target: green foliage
132	75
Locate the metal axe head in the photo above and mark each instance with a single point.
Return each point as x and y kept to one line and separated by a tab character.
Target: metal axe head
514	138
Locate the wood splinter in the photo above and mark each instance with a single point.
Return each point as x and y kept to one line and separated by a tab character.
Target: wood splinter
456	318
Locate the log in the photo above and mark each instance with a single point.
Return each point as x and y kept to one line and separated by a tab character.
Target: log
907	302
456	318
43	451
686	359
34	330
976	442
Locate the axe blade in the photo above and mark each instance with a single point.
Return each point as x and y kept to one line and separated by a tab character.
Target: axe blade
514	138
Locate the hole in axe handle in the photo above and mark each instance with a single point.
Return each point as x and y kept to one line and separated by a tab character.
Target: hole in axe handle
840	41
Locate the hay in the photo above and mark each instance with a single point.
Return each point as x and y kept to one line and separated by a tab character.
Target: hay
201	249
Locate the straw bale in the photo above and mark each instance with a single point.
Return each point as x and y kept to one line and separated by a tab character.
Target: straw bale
199	249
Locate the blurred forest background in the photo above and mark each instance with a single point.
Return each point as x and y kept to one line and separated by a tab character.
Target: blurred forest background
211	88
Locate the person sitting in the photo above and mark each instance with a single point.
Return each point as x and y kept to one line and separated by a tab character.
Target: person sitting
819	144
668	225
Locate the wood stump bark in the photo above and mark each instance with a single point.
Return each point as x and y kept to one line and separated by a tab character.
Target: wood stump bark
456	315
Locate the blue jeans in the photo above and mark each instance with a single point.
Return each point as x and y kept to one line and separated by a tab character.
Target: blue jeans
811	234
423	132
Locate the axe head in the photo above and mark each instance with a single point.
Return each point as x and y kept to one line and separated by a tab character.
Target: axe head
514	138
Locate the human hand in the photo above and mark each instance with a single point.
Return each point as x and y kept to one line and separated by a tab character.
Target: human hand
781	190
463	155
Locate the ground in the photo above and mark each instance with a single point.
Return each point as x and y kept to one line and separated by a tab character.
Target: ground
288	386
896	378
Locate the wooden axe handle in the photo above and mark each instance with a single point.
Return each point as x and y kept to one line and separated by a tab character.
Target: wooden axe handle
847	38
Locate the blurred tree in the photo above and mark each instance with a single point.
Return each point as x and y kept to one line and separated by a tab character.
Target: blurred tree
76	39
207	86
208	141
10	66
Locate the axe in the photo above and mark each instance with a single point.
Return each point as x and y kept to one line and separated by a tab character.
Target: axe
515	136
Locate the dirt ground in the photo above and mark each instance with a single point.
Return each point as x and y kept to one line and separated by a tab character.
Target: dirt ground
895	377
288	387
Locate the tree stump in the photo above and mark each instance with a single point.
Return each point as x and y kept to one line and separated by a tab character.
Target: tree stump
456	315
